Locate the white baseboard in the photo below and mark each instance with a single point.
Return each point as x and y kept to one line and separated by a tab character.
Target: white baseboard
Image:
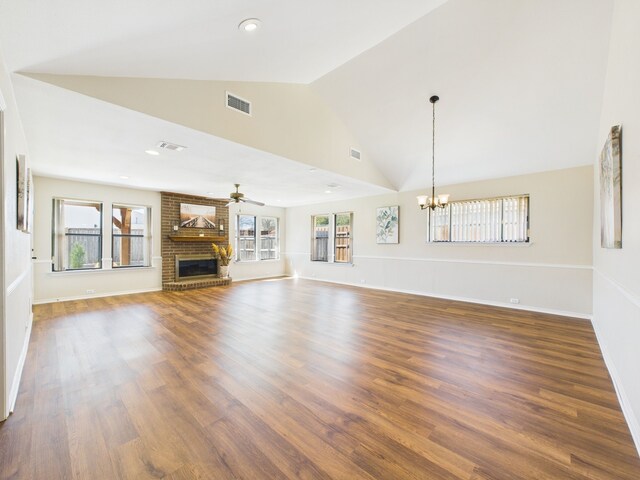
530	308
95	295
264	277
13	393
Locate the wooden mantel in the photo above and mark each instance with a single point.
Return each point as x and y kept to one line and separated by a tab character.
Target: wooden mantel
196	238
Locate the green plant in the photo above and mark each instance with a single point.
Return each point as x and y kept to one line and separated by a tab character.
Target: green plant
76	258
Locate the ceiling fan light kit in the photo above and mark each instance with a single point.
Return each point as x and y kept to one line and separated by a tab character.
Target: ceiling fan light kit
237	197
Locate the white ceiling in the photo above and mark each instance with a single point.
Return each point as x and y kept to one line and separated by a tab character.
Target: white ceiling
520	82
198	39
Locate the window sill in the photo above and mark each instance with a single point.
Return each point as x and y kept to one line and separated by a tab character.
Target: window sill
243	262
100	271
343	264
479	244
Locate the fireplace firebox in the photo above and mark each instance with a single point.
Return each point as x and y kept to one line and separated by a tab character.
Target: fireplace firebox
195	267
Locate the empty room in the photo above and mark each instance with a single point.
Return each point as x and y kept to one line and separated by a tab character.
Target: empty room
320	240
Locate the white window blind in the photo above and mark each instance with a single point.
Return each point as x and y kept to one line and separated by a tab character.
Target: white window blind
495	220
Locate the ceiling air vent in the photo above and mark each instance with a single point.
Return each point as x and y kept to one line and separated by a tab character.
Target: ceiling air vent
170	146
239	104
355	154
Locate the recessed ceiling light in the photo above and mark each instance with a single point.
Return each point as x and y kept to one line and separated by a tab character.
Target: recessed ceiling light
333	185
249	25
312	169
327	191
124	177
152	152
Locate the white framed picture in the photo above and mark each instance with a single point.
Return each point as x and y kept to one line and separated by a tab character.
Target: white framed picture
388	224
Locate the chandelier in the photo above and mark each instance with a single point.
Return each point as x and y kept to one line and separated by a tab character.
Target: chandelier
424	201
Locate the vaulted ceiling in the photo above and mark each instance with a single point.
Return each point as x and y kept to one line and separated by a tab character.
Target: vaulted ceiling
520	83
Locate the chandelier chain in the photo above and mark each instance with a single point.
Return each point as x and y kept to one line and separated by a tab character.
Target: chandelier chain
433	154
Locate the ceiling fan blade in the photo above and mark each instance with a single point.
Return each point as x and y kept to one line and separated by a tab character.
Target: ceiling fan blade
248	200
231	202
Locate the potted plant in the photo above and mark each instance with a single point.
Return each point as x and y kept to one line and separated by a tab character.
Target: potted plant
224	257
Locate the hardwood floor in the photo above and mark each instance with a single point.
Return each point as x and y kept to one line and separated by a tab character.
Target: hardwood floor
300	379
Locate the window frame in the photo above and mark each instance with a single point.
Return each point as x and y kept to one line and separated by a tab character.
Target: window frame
502	241
145	238
314	238
331	238
277	237
349	245
257	237
56	248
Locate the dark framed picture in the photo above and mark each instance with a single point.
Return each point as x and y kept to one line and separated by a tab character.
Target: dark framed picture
197	216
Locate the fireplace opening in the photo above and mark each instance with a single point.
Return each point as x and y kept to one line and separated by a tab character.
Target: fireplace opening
191	267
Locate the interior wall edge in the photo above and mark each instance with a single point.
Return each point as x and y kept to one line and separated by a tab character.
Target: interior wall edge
13	393
613	324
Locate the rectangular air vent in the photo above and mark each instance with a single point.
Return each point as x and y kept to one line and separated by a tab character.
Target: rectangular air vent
170	146
355	154
238	104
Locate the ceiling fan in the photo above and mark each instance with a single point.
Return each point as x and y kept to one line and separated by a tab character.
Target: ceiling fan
237	197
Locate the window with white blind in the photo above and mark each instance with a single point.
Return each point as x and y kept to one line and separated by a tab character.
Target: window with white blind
491	220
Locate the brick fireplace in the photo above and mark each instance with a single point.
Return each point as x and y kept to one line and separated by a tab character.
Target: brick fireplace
190	242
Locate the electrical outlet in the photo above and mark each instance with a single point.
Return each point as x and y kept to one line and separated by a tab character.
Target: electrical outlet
514	300
91	290
362	280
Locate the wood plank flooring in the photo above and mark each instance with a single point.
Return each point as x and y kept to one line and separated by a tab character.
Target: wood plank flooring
289	379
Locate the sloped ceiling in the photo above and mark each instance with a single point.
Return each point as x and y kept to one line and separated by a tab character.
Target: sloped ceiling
520	83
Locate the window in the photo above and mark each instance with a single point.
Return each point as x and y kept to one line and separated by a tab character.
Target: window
342	242
246	238
77	235
320	238
130	236
268	238
331	233
495	220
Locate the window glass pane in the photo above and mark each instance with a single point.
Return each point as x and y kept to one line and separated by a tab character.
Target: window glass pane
83	252
82	216
246	237
130	241
77	235
320	238
129	220
343	238
268	238
129	251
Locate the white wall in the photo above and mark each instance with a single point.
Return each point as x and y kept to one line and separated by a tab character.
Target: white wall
263	268
552	274
54	286
616	286
16	252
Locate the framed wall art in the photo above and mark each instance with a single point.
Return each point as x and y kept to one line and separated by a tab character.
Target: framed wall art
388	224
611	190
